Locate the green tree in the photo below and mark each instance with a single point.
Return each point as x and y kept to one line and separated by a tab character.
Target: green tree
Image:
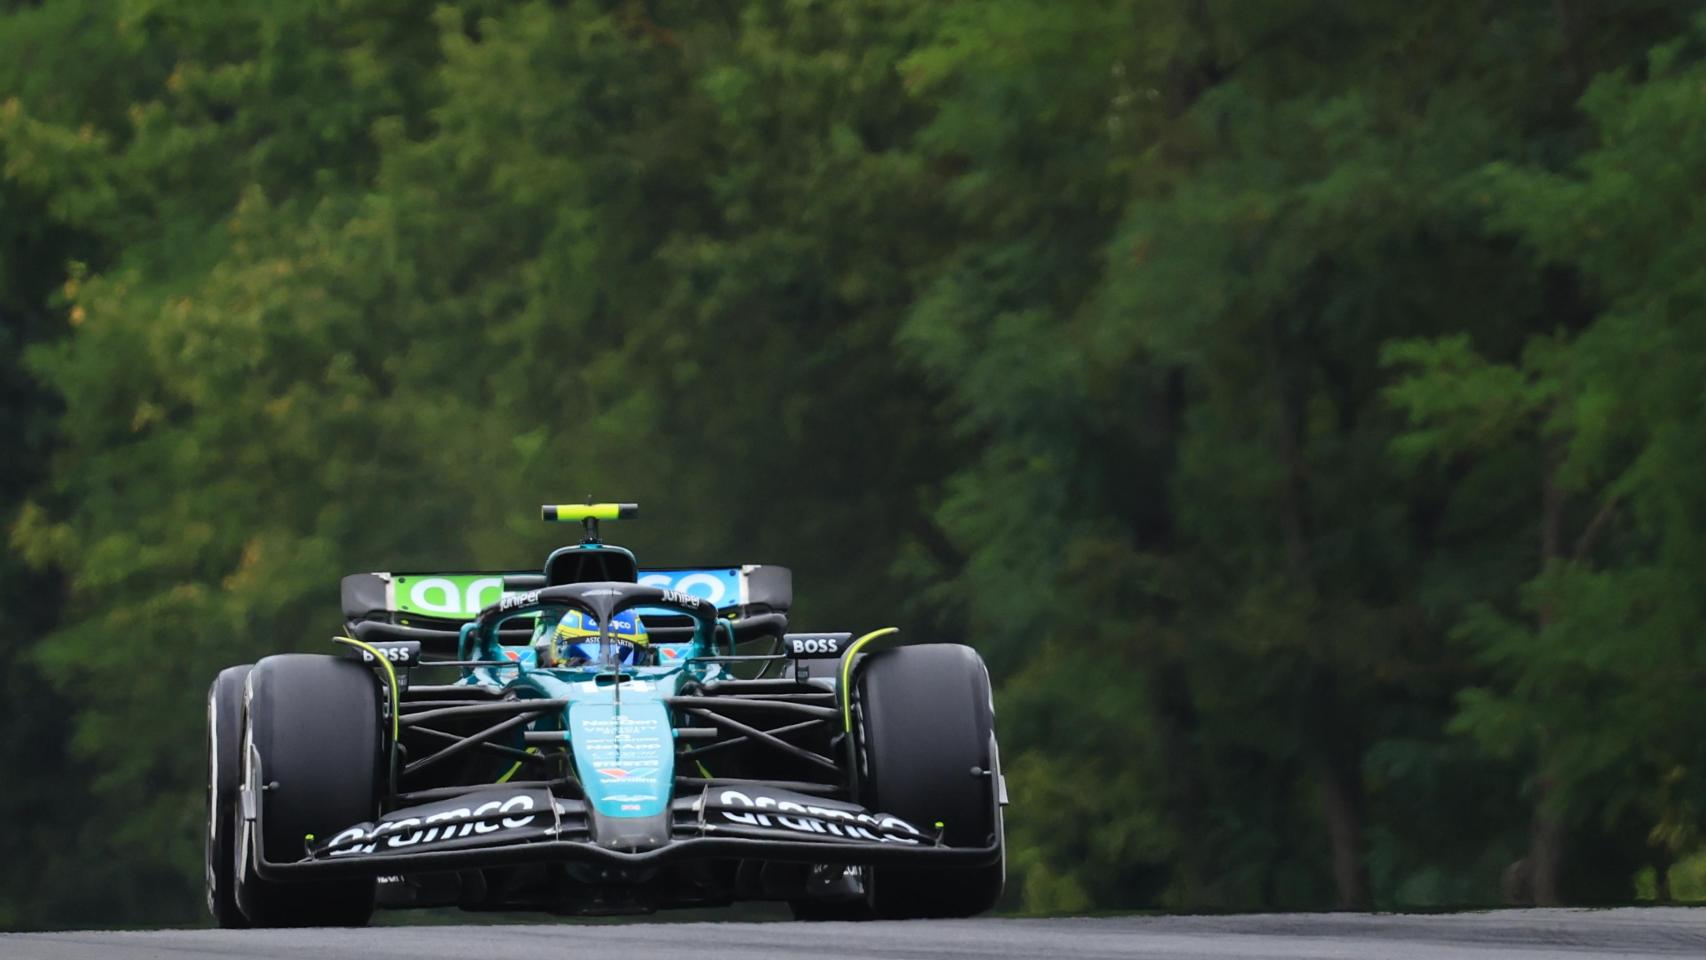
1592	681
1294	402
1296	186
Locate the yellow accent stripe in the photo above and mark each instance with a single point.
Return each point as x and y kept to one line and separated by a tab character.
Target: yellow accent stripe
511	771
572	512
390	672
847	667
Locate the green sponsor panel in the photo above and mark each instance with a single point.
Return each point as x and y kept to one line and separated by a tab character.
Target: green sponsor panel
454	595
461	596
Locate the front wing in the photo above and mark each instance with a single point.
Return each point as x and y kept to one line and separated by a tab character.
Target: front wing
494	826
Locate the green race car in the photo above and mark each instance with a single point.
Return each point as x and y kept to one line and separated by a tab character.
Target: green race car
600	738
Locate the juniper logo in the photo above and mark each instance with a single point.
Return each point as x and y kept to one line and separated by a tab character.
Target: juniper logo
716	587
512	600
685	599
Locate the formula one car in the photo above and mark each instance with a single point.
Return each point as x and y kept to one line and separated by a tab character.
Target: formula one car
598	738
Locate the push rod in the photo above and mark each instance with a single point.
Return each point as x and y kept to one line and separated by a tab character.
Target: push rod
777	706
469	743
763	737
732	741
486	747
528	707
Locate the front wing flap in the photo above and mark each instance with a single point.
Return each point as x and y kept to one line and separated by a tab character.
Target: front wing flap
766	813
485	818
497	826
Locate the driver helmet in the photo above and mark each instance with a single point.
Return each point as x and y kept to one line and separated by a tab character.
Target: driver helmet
576	637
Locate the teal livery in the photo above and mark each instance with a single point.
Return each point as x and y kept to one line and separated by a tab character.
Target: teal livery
624	745
596	737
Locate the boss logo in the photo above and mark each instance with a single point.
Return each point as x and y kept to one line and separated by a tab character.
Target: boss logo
814	646
403	653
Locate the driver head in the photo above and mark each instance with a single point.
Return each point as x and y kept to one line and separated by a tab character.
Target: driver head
577	638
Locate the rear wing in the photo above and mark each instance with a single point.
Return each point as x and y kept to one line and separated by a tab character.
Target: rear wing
462	595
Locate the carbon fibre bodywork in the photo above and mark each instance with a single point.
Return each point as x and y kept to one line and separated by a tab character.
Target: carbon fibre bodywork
590	787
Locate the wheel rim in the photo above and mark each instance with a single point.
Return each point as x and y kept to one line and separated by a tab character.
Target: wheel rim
210	851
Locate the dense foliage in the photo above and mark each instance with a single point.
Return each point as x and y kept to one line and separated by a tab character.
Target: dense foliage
1298	402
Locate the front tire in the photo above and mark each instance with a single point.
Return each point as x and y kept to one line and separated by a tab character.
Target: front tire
926	720
313	729
829	911
224	773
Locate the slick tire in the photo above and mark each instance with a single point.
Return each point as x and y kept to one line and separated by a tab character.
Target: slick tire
224	771
926	718
313	727
819	911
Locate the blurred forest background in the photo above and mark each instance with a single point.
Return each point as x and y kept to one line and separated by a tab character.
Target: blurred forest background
1300	403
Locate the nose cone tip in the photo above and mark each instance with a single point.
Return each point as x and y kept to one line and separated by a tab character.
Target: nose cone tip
629	834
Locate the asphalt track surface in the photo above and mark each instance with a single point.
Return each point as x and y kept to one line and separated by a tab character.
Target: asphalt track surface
1529	934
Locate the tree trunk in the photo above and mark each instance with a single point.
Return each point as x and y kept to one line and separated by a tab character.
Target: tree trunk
1335	756
1341	804
1335	746
1185	796
1545	852
1547	836
1661	877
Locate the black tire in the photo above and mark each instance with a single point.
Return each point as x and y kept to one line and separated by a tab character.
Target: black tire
314	722
224	771
819	911
926	719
